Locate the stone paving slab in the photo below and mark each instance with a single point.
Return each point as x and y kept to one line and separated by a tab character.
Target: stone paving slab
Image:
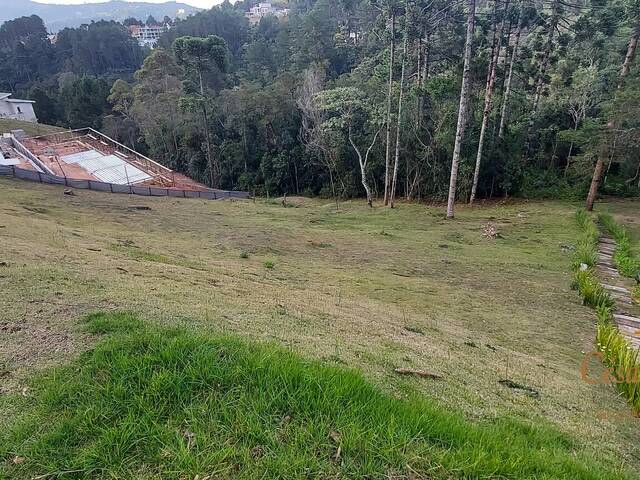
627	322
616	289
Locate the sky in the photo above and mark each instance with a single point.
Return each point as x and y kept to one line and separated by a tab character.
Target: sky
195	3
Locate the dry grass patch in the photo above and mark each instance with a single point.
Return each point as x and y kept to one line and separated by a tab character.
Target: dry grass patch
350	303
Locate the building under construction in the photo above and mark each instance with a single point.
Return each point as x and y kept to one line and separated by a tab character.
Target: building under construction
86	158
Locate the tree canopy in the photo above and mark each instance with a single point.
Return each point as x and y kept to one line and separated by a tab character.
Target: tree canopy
270	105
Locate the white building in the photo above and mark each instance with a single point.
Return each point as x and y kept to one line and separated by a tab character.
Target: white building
264	9
17	109
147	36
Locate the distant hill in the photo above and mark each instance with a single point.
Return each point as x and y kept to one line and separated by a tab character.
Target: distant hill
57	17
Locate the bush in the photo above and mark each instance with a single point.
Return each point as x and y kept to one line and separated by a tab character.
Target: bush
591	290
586	251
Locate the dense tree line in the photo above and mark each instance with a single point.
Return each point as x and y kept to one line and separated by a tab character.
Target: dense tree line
69	75
375	98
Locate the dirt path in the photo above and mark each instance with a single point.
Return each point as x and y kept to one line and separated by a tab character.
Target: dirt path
627	312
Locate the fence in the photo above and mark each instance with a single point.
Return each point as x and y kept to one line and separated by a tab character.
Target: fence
147	191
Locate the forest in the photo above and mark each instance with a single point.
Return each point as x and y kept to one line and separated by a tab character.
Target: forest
376	99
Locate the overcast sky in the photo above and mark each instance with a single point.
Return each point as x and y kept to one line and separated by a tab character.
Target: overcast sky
195	3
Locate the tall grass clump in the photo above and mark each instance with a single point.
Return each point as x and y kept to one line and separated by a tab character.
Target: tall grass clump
622	360
623	258
591	290
168	403
616	351
586	251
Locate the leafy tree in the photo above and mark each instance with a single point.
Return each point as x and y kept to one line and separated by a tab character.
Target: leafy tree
200	57
128	22
348	112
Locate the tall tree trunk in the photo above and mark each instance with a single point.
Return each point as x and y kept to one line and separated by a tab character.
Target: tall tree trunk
631	52
462	111
597	173
488	96
363	163
575	129
387	162
507	89
544	64
595	183
392	196
422	74
205	118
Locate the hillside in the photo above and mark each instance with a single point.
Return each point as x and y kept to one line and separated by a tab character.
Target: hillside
366	289
31	129
57	17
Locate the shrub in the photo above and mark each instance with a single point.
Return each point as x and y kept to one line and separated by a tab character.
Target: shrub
269	264
622	360
591	290
586	251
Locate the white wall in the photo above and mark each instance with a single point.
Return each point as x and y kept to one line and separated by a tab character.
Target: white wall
17	110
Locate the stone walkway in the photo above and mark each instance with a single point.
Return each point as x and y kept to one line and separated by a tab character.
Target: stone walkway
626	311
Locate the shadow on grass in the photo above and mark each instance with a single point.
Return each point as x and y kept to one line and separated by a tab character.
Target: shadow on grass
167	403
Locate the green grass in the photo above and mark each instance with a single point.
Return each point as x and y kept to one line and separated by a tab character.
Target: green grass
151	402
586	251
623	258
31	129
179	265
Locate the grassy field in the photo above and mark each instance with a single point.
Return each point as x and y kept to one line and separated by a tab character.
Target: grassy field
31	129
370	290
626	214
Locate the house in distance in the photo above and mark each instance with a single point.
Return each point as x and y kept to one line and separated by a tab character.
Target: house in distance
16	109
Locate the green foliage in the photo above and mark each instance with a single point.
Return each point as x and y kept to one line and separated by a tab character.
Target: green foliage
171	403
219	99
100	48
591	290
623	361
269	264
586	251
623	258
201	54
101	323
616	351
